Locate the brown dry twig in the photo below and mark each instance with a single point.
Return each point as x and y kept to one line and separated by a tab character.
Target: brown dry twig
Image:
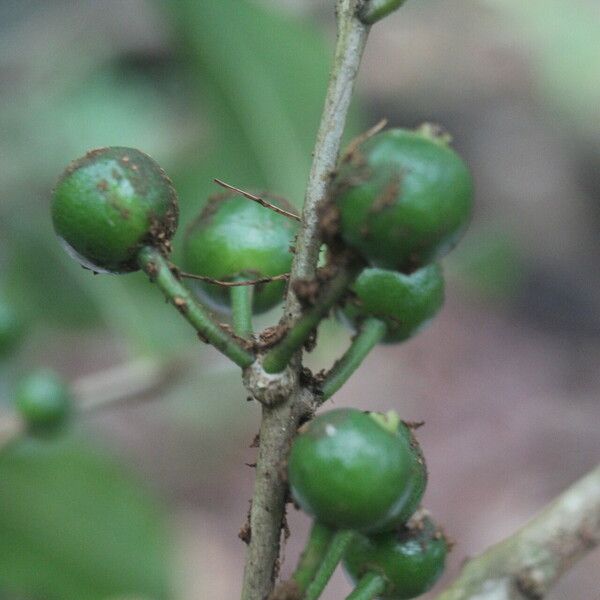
261	201
363	137
282	277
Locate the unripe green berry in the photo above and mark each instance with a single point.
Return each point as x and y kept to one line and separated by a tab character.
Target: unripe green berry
110	203
355	470
404	198
234	238
11	328
411	558
44	400
406	303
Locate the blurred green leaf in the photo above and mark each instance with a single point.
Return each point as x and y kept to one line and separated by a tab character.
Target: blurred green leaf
74	526
489	264
261	76
565	38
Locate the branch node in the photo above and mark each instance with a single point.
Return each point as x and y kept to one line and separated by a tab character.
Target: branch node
270	389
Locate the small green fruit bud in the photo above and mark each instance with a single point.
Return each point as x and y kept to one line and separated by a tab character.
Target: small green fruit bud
44	401
406	303
411	558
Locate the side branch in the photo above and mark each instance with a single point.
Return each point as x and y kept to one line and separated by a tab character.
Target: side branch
156	267
526	565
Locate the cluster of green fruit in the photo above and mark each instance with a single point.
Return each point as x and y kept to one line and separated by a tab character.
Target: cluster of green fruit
113	202
365	472
403	200
399	201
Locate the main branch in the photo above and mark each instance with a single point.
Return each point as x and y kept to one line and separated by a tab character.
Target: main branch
279	423
527	564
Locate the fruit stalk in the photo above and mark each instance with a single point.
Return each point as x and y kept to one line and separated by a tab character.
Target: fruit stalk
241	310
335	552
277	359
312	557
153	263
269	490
368	588
371	333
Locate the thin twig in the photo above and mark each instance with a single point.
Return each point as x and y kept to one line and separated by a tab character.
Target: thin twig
280	422
526	565
258	199
282	277
363	137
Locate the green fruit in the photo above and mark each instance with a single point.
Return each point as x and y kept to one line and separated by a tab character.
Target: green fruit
406	303
110	203
44	400
411	559
404	199
355	470
11	328
235	238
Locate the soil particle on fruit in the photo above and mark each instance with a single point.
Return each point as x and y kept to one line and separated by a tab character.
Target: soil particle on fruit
388	196
329	220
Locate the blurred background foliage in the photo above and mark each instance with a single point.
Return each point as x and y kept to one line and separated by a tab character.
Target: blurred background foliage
233	89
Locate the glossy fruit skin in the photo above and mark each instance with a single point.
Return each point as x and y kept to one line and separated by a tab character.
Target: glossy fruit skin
404	199
44	401
411	560
406	303
236	238
349	472
111	202
11	329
